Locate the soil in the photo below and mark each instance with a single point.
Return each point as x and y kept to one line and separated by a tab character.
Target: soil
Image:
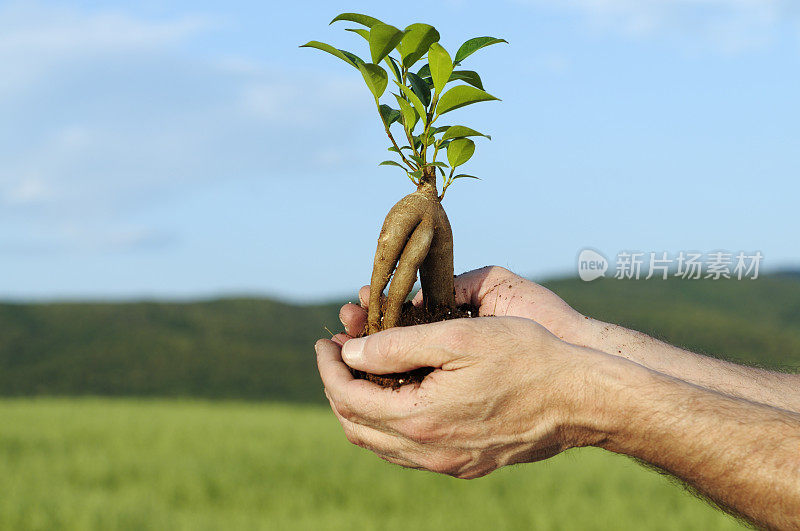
412	315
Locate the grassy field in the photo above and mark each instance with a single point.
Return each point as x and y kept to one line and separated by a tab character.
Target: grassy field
156	464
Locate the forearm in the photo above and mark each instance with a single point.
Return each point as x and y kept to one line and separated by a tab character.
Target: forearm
742	455
767	387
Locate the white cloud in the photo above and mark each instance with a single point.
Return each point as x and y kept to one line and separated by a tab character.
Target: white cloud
35	39
28	190
63	32
111	116
728	25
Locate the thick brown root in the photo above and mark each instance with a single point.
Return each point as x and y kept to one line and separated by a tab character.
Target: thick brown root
405	274
397	228
416	235
436	273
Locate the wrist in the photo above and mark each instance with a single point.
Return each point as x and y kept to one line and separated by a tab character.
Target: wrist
598	407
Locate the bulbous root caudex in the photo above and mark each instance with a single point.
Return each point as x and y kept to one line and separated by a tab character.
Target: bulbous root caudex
416	236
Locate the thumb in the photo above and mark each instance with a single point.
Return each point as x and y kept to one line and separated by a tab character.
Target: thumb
397	350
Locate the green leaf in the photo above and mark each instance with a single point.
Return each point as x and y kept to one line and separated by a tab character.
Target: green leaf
473	45
467	76
416	158
416	173
420	88
460	151
349	58
425	71
460	96
401	148
364	20
407	112
391	163
413	98
388	114
415	43
460	131
382	39
353	57
465	176
441	66
360	31
392	63
427	139
437	164
375	77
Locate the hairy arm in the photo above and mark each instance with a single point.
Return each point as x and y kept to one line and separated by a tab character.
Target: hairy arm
776	389
744	456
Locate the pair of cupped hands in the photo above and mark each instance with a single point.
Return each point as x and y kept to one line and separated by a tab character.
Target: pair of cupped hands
513	387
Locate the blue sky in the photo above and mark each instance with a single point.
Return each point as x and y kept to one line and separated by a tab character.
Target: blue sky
193	149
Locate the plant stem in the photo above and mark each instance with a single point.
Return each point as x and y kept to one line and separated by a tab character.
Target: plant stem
400	151
389	133
410	137
446	183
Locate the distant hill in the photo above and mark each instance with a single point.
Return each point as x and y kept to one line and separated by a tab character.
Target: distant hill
262	349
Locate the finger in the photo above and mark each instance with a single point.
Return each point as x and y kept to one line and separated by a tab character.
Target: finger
418	298
384	444
402	462
354	319
341	339
361	401
363	297
402	349
332	370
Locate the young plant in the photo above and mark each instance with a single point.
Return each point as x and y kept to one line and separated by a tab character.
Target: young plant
426	84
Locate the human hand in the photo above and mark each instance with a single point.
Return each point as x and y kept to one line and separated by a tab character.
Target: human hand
504	390
495	291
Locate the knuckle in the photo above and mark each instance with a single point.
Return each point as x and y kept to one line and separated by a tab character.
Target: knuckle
422	430
499	271
462	466
353	437
387	345
460	334
345	411
441	465
468	475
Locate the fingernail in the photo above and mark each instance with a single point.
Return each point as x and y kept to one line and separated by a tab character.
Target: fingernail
353	350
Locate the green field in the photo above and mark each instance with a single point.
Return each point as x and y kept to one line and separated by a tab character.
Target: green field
157	453
155	464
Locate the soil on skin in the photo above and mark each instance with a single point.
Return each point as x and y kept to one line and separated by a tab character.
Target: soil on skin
412	315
